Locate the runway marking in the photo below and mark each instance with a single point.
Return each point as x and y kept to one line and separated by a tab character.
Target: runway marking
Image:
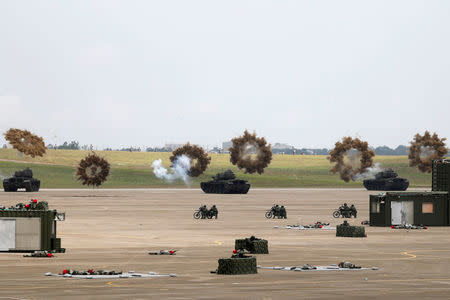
110	283
411	256
218	243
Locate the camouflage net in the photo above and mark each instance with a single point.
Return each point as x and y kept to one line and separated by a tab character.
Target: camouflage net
199	158
93	170
258	246
347	170
424	149
242	150
350	231
236	266
26	142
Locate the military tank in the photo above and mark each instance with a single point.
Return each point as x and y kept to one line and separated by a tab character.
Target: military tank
22	180
386	180
225	183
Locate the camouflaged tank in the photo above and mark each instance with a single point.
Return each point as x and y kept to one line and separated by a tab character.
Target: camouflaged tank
386	180
225	183
22	180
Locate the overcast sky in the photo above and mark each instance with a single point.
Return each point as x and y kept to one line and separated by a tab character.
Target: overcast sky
121	73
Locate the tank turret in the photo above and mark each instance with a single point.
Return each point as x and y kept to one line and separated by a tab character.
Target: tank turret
227	175
386	180
22	180
27	173
386	174
225	183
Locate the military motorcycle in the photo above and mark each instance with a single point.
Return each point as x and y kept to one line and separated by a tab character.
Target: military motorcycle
209	214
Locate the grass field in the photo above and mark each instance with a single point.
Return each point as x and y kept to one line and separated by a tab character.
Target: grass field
132	169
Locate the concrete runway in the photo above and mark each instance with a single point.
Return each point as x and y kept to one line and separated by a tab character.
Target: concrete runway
115	229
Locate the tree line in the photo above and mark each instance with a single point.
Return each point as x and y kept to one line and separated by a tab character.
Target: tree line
381	150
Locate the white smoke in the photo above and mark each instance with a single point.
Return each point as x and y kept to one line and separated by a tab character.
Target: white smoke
426	152
249	151
369	173
179	169
353	158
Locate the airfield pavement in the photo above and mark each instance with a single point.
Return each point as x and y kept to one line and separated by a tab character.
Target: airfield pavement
115	229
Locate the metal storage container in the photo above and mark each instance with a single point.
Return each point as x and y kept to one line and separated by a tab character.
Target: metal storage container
415	208
29	230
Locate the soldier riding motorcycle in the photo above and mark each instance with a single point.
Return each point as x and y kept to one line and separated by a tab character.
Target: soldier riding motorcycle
345	211
204	213
276	211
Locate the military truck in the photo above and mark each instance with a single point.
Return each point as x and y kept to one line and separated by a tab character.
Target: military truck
386	180
22	180
225	183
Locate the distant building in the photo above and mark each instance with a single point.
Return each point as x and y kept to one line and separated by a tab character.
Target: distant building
281	146
226	146
171	147
215	150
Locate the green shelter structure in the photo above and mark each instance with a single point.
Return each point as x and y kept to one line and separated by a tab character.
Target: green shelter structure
29	230
441	175
415	208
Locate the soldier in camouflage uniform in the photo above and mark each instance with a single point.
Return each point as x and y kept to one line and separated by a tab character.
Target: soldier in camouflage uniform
275	210
345	211
240	253
204	211
353	211
348	265
283	213
213	211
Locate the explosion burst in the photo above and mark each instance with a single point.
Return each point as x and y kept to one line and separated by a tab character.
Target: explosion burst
250	153
424	149
26	142
352	157
93	170
198	156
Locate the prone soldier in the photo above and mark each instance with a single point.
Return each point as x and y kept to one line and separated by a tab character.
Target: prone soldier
347	265
239	253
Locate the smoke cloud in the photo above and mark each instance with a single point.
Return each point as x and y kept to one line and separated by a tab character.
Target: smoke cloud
424	149
199	159
250	153
179	169
352	157
93	170
26	142
369	173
